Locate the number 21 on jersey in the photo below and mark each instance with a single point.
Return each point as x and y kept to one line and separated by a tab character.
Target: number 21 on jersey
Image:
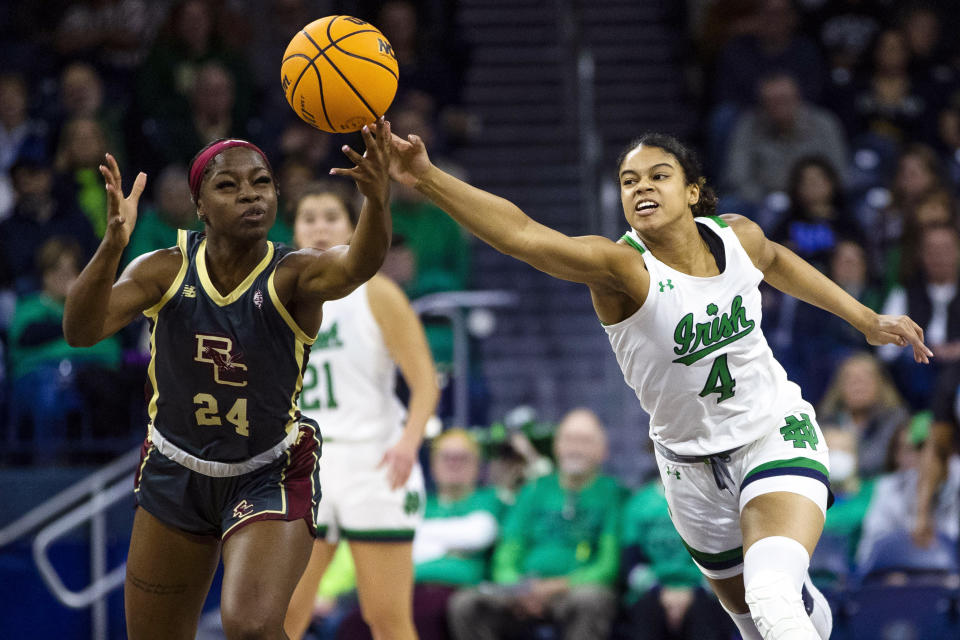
318	390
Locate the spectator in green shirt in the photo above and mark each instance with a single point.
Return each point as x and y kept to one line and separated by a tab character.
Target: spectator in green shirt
833	559
174	209
459	529
665	599
559	550
452	544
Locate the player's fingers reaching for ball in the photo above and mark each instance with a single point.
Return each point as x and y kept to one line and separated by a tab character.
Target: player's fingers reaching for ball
138	186
352	155
368	140
114	168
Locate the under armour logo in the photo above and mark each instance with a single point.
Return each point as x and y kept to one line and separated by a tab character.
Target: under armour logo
665	285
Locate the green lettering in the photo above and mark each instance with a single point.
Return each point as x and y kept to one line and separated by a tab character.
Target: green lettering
719	380
703	334
739	314
683	334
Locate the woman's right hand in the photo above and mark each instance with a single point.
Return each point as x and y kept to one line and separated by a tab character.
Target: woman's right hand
121	211
409	161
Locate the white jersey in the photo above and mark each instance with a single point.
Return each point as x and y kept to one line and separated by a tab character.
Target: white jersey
696	357
348	385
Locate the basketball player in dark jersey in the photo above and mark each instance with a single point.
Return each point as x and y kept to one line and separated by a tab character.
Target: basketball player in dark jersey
229	466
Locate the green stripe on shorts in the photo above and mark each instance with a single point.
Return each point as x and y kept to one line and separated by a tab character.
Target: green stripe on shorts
806	463
378	535
722	560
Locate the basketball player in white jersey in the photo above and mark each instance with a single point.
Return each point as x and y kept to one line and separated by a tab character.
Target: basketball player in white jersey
740	453
373	492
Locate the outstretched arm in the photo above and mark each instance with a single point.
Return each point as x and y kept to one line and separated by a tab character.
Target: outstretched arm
789	273
502	225
338	271
96	306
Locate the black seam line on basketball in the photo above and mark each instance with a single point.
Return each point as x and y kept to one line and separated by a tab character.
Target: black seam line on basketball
332	44
296	83
323	100
311	62
337	69
340	73
364	58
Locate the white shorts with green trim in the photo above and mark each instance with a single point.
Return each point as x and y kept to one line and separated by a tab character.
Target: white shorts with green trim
792	457
358	503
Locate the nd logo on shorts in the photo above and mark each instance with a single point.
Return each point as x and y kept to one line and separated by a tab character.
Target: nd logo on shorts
800	432
411	503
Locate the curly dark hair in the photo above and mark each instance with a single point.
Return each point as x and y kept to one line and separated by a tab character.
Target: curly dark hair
692	173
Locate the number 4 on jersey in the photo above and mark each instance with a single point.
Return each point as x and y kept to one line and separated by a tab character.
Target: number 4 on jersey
719	380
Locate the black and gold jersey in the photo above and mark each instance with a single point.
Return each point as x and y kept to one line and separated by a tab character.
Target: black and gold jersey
225	370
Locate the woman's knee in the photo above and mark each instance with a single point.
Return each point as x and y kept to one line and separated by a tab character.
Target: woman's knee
252	625
730	592
251	617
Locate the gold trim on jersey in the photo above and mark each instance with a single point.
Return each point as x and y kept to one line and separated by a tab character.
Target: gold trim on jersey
233	296
153	313
152	375
298	354
282	310
143	463
177	281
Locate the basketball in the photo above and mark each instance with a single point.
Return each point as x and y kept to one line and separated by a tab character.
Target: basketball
339	73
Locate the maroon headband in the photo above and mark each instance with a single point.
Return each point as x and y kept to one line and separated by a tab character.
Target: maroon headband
201	161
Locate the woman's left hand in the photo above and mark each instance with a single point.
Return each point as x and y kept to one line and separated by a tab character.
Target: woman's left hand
399	460
372	170
898	330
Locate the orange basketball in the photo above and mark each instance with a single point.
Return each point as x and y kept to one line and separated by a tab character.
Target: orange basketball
339	73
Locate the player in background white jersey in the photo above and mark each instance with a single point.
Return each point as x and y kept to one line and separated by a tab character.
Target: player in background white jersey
371	482
781	516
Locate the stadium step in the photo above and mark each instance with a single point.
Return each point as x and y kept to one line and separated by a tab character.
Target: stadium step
522	86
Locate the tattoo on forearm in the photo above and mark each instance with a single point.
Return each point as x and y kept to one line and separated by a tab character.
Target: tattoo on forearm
155	588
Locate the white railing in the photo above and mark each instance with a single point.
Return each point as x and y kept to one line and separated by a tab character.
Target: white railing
86	501
454	305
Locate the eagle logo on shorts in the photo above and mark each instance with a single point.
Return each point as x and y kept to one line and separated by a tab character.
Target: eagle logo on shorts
243	509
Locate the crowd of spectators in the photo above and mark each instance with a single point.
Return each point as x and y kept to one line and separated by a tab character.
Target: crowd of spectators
835	126
152	83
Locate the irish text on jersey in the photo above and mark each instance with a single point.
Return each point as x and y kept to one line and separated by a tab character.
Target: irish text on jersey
696	341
